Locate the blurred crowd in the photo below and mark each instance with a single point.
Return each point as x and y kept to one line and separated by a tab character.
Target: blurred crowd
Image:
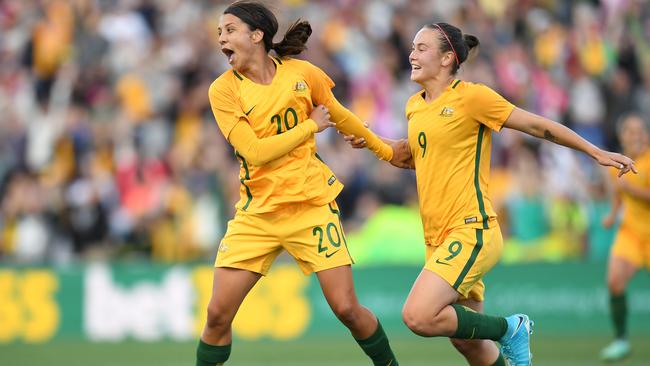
108	147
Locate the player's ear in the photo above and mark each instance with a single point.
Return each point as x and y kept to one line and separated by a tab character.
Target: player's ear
447	59
257	36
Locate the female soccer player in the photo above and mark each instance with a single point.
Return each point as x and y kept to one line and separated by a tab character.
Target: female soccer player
631	249
448	145
269	109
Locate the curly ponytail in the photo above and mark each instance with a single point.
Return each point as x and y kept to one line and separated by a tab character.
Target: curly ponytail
295	39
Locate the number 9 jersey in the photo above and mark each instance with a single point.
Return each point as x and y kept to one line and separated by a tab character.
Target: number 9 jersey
450	140
273	109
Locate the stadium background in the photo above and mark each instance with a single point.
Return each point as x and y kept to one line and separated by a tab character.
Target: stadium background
116	185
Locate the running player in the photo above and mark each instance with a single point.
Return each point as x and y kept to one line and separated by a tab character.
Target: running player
448	145
631	249
269	109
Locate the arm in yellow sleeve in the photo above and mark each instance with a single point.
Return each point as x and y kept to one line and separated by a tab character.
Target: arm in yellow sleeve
259	151
349	124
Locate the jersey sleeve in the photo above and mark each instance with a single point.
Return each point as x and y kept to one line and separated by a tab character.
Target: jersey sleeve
319	83
347	122
259	151
487	106
227	111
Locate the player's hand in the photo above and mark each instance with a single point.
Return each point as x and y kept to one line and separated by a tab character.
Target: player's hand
618	161
321	115
402	157
357	143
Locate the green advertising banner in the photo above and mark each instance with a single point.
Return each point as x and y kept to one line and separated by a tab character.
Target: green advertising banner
101	302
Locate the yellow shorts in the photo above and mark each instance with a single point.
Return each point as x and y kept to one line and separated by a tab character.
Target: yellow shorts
632	247
464	257
313	235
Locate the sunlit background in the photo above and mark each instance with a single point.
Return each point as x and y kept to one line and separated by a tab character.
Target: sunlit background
116	185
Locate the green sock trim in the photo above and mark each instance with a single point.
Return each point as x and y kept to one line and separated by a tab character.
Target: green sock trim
473	325
209	355
500	361
377	348
618	311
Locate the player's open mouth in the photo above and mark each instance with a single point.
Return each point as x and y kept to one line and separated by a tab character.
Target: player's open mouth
229	53
415	67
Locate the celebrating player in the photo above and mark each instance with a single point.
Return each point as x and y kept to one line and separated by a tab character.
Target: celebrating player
448	145
269	109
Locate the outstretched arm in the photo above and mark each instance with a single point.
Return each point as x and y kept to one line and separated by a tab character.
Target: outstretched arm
402	157
610	219
541	127
349	124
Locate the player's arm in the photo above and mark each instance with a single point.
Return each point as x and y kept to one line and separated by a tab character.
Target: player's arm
402	157
610	219
541	127
349	124
346	122
640	193
259	151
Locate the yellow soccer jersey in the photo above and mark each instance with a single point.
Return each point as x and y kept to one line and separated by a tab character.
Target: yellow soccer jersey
450	140
299	176
636	212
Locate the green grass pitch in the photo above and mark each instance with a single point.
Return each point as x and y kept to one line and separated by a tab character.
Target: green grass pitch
412	351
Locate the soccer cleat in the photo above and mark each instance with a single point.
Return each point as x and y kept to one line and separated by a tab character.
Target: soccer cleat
515	344
616	351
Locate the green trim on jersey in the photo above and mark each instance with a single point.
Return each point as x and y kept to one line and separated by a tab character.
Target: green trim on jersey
455	84
477	183
237	74
471	260
249	195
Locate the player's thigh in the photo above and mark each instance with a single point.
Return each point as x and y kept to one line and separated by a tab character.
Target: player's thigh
338	288
251	243
429	295
627	246
229	288
317	241
464	257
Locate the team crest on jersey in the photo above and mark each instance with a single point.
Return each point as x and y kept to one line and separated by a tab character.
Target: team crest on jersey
447	112
300	86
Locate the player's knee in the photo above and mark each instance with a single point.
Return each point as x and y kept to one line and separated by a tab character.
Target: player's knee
346	312
217	317
417	323
615	285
